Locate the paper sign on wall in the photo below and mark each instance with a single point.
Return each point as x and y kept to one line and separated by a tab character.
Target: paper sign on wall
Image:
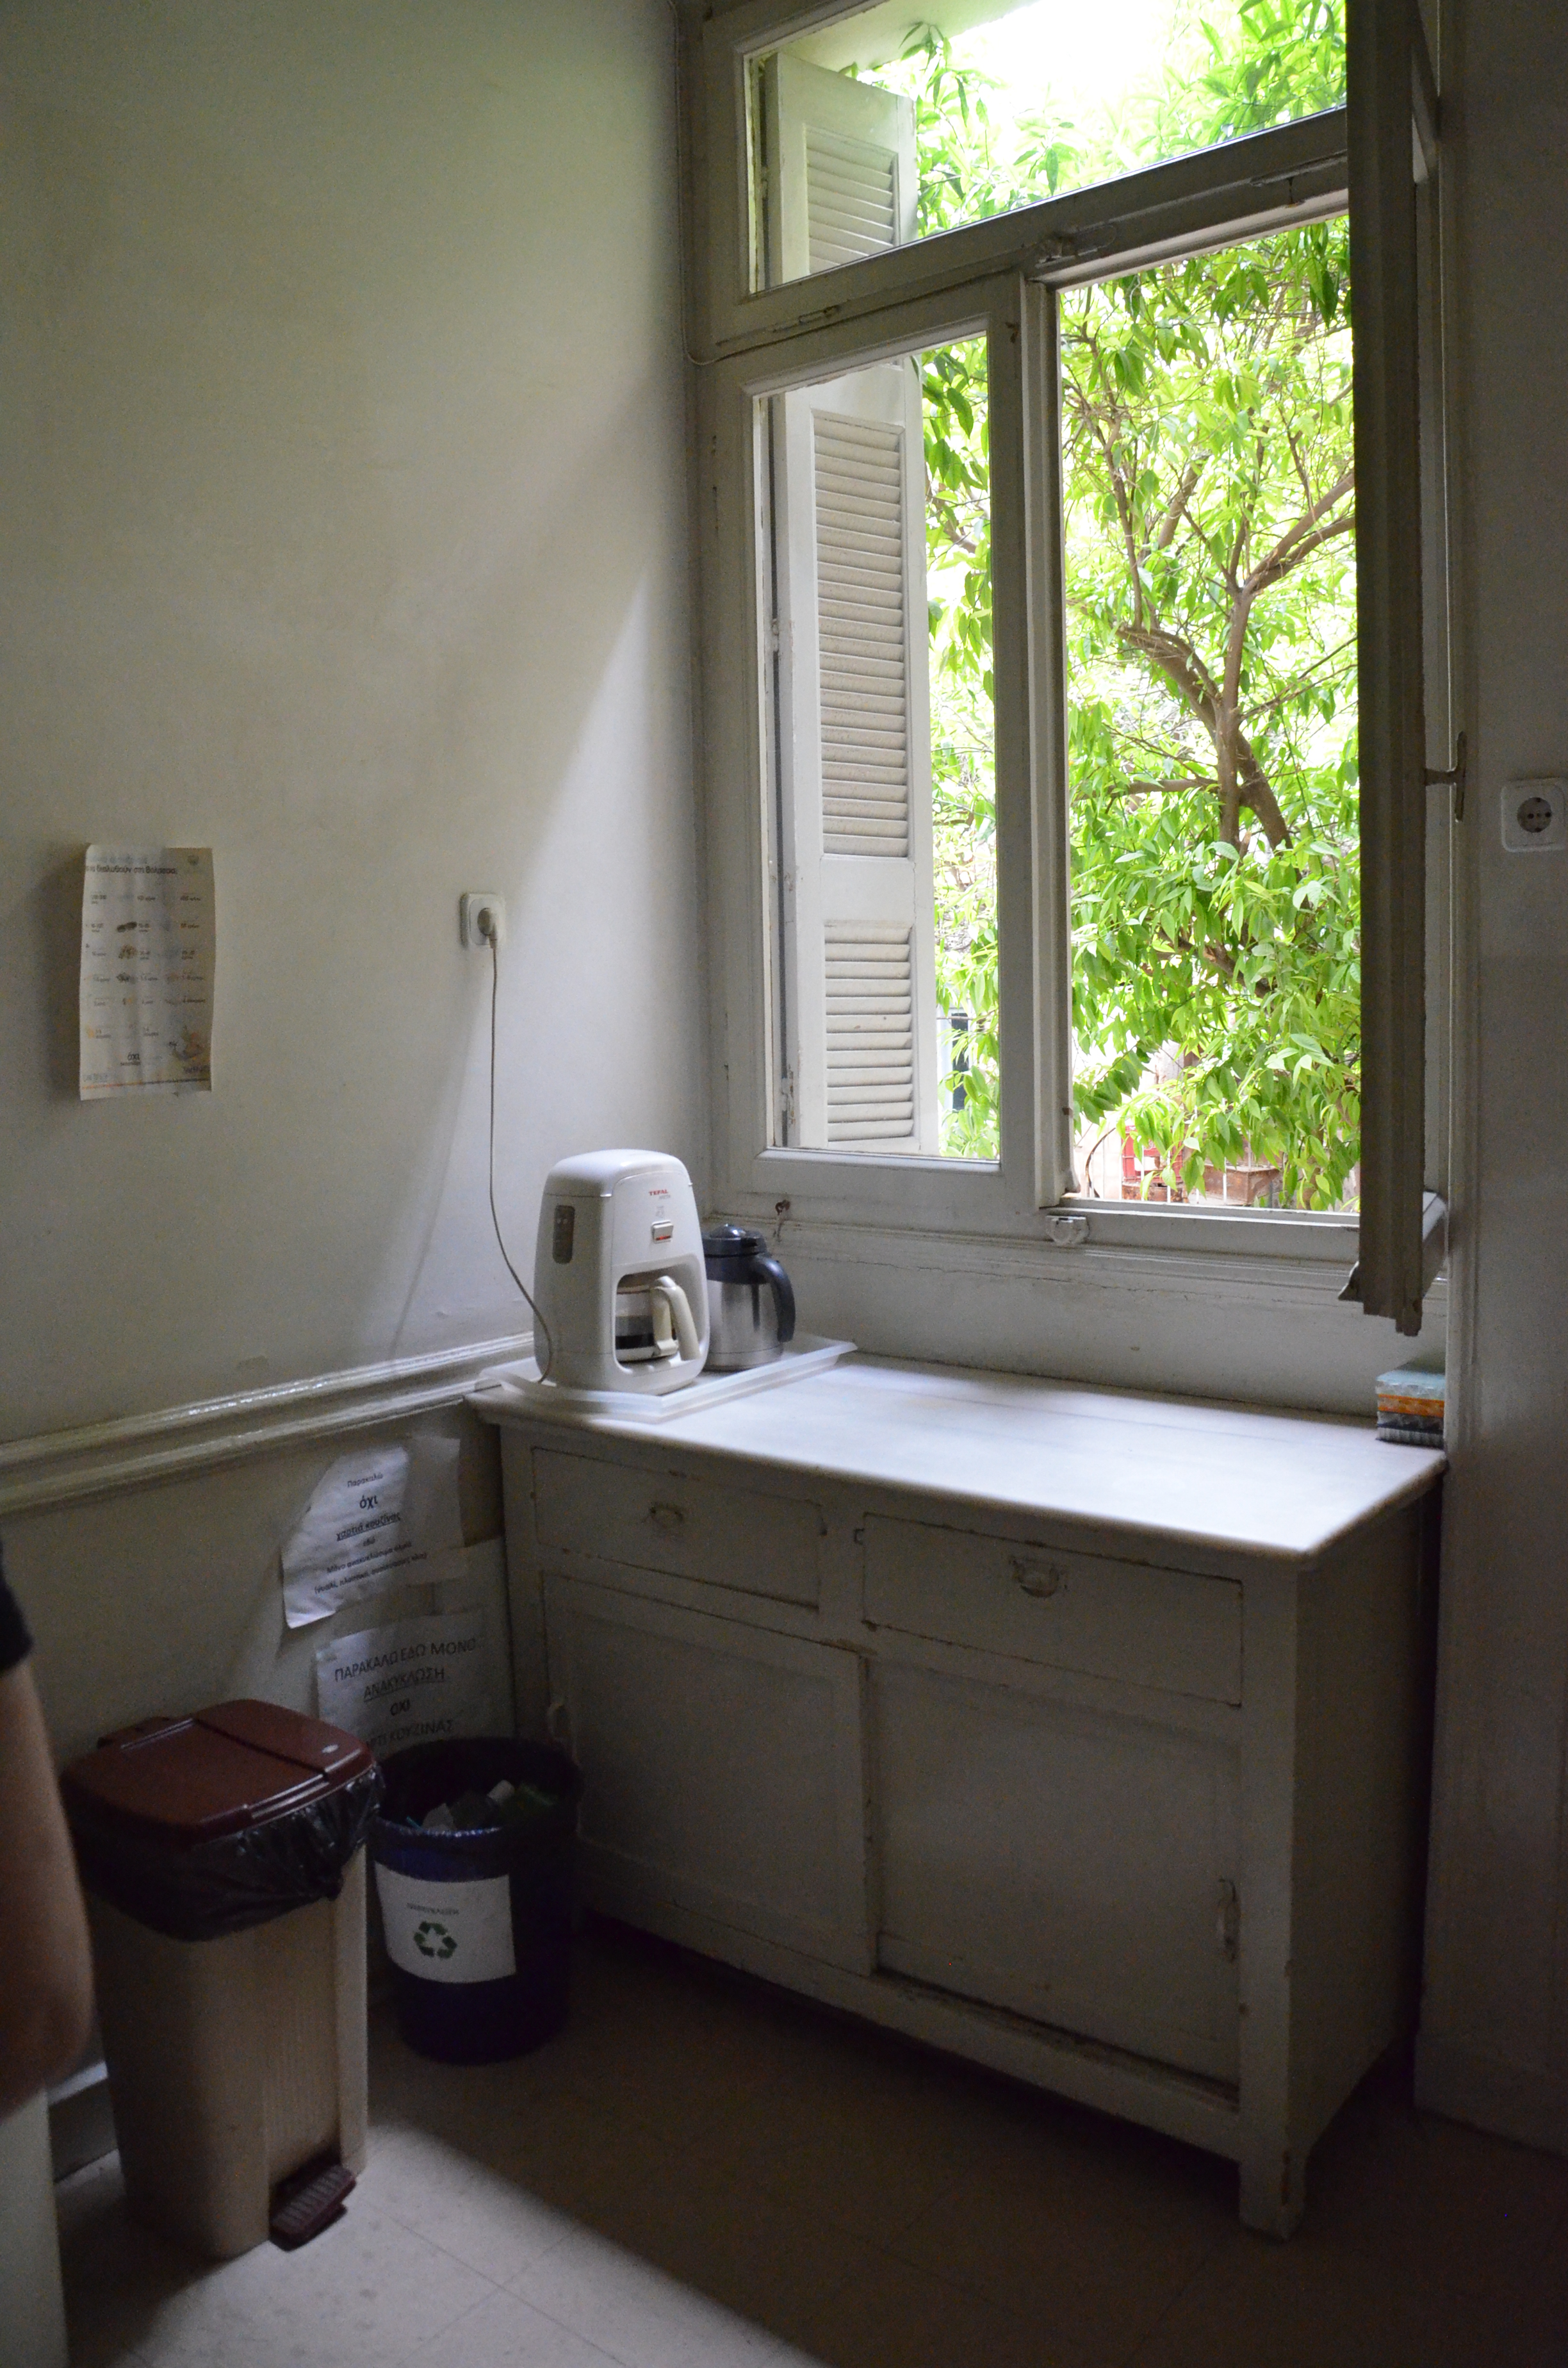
148	948
386	1515
412	1681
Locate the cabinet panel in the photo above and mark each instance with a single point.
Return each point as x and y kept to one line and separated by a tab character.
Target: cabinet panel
722	1770
1088	1612
1072	1866
741	1538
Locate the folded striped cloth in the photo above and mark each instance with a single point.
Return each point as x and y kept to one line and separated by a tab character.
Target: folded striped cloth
1410	1407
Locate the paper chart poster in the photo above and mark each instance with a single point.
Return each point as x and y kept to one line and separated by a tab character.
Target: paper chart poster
412	1681
386	1515
148	947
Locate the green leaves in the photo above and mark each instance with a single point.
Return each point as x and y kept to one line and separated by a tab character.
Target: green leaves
1210	632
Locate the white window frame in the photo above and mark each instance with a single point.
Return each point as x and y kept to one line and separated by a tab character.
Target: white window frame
999	277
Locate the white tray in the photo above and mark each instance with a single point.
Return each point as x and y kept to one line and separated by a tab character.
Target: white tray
516	1389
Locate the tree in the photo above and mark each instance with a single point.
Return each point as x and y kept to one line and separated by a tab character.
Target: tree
1210	518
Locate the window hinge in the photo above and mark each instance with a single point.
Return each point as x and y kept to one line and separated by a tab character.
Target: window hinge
787	1102
1453	778
773	635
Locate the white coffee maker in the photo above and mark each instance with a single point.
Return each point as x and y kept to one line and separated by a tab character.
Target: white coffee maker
620	1276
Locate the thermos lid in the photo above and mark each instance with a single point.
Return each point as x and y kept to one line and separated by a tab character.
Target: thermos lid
727	1246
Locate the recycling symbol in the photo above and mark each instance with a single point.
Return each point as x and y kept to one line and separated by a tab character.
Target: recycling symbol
433	1940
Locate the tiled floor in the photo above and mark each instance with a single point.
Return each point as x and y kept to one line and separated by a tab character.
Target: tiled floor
700	2173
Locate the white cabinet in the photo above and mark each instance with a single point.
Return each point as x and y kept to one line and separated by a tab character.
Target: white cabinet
722	1767
1077	1732
1075	1866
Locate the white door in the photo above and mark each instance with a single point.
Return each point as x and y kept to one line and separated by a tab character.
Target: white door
1071	1866
722	1773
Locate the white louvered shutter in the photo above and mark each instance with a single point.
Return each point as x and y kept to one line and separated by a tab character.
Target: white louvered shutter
838	168
856	749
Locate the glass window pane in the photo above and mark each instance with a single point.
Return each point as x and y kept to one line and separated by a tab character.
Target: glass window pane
878	577
903	121
1210	584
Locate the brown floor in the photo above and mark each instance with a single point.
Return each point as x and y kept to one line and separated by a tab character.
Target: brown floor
701	2172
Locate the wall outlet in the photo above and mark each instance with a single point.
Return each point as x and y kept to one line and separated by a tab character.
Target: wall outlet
482	913
1535	818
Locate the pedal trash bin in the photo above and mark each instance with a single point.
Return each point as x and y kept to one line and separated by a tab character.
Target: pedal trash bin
478	1918
222	1856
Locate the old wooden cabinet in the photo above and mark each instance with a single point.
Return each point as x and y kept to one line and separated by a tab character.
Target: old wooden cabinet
1080	1733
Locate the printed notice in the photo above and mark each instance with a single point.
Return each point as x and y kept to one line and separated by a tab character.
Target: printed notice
148	948
412	1681
385	1517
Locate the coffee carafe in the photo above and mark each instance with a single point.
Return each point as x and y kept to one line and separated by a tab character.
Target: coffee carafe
751	1304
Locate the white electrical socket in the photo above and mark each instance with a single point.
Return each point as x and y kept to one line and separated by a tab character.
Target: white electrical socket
1535	818
481	916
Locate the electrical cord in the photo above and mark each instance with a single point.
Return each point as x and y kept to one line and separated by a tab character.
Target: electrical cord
488	926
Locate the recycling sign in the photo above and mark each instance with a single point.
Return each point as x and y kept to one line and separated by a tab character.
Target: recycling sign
447	1931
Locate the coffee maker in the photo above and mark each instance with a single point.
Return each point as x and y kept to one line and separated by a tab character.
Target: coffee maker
619	1273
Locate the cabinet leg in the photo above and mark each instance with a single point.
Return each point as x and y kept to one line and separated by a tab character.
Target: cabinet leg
1273	2186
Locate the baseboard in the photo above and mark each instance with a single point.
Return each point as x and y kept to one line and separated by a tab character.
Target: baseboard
1511	2101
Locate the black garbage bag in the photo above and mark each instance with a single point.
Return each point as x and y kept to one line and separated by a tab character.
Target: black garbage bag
205	1889
206	1823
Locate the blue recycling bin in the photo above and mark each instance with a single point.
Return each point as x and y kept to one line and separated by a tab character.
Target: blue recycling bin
478	1922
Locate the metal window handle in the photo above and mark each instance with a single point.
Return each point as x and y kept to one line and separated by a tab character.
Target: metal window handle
1036	1578
666	1517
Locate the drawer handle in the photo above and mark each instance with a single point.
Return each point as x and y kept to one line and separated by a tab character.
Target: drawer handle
666	1517
1037	1579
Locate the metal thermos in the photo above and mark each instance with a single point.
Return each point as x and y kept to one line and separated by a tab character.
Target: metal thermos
751	1306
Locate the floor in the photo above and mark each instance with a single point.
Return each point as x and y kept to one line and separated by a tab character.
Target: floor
701	2172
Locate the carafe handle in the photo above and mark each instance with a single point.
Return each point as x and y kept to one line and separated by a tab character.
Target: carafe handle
679	1306
767	1270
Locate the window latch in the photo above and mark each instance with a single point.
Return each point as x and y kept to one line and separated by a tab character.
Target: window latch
1065	1230
1453	778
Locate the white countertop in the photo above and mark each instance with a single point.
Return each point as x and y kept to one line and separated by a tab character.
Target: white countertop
1216	1476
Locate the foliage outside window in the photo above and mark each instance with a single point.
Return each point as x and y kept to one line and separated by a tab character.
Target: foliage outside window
1209	556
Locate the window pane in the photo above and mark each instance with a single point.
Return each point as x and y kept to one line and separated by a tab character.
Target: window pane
901	120
1210	581
885	933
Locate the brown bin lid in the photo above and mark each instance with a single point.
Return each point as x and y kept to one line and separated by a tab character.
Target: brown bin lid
234	1765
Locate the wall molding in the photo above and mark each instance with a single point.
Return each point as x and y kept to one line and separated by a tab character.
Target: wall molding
62	1467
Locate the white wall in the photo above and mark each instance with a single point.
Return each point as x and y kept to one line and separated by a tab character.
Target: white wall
344	529
1495	2044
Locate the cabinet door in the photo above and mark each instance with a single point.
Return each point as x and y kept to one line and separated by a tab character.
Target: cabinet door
722	1767
1071	1866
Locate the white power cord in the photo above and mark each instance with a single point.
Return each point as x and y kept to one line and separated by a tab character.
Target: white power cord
488	931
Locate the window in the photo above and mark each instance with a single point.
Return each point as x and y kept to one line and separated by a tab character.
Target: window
1047	742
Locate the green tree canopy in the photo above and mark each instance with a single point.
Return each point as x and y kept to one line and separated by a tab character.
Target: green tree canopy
1210	586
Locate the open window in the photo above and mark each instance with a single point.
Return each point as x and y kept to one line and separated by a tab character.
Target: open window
1062	562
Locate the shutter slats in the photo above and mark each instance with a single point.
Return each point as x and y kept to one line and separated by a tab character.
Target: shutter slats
861	636
870	1034
851	199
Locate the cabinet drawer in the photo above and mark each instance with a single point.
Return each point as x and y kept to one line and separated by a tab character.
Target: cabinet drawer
1087	1612
738	1537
